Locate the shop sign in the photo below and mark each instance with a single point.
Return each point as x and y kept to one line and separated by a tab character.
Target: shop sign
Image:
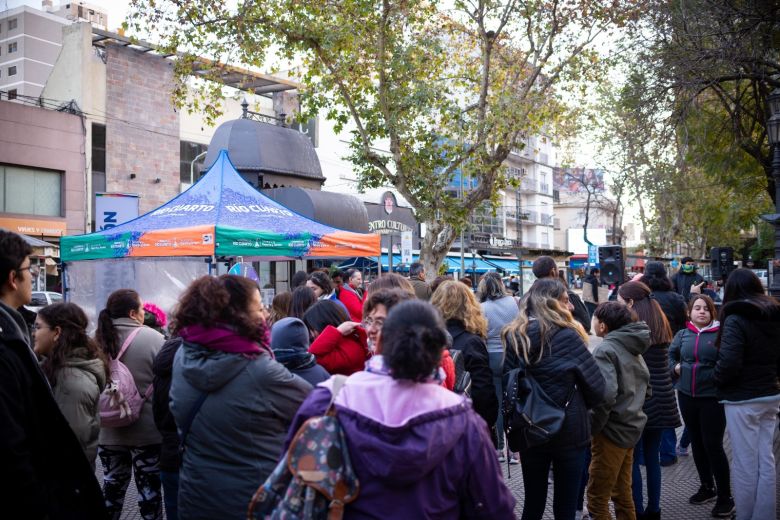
35	227
387	227
112	209
500	242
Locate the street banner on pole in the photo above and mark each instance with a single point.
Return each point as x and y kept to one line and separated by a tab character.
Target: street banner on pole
406	247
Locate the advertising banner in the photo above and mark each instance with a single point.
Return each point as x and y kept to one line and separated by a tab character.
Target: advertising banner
112	209
406	247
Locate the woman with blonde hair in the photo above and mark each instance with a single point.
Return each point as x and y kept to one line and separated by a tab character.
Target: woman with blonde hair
552	347
468	328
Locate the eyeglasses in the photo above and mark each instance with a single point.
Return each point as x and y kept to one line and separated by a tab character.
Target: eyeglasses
34	270
39	327
368	322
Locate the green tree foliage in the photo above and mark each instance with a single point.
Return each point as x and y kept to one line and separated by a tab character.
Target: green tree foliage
427	89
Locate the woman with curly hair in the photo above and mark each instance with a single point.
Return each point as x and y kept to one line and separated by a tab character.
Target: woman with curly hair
75	367
546	340
468	328
661	407
229	394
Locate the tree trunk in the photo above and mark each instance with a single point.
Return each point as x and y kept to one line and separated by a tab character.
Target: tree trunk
435	245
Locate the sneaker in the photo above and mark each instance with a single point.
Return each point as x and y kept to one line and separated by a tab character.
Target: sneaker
501	457
682	451
703	495
514	460
724	508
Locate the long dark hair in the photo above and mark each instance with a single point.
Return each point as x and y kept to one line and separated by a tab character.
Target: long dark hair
648	311
743	284
73	323
413	337
324	313
302	298
118	305
210	301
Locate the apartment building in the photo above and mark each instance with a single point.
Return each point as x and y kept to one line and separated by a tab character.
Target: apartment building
30	41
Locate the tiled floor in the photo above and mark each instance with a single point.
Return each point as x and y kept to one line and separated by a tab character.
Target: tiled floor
678	483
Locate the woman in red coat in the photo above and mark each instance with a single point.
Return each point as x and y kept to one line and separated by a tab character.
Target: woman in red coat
339	345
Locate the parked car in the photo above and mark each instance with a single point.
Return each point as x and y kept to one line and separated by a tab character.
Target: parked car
763	276
41	299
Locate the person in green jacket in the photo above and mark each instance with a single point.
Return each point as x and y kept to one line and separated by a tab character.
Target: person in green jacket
75	369
618	423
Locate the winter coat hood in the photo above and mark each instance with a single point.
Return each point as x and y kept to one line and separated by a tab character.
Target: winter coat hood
753	311
95	367
399	430
209	370
289	333
634	337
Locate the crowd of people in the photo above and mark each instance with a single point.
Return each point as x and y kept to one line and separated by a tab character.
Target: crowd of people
221	386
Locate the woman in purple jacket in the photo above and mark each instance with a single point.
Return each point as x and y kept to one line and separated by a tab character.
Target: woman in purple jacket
419	450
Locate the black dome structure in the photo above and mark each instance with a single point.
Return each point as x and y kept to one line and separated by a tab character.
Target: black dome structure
256	148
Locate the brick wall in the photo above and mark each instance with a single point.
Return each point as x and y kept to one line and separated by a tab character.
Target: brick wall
142	128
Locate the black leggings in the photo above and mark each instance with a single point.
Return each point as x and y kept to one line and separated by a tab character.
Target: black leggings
706	422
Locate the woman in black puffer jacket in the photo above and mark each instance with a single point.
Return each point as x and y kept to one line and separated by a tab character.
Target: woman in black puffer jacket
746	377
554	349
661	407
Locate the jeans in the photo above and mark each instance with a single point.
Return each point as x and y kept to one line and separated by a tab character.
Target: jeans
567	467
170	484
650	443
496	360
143	461
610	477
668	450
685	438
751	430
706	422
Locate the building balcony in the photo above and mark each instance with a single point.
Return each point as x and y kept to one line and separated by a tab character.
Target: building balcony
529	185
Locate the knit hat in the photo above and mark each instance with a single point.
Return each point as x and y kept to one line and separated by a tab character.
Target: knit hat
289	334
655	269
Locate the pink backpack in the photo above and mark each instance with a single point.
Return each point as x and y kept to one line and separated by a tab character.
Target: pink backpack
121	402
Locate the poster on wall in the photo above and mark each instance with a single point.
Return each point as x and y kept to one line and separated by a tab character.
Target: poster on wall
112	209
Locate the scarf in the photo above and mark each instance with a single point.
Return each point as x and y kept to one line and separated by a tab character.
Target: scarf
294	359
225	339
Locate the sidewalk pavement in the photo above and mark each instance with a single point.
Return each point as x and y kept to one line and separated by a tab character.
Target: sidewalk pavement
678	482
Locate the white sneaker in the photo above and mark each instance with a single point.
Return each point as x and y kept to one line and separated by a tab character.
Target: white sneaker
501	457
514	460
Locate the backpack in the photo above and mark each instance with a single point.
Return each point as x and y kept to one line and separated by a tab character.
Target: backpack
462	376
121	403
314	479
531	417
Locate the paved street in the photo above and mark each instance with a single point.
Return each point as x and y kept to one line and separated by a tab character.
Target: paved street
679	482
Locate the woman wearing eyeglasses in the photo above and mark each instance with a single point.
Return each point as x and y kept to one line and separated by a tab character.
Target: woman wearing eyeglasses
75	368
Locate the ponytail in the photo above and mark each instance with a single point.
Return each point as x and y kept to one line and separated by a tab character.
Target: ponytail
119	305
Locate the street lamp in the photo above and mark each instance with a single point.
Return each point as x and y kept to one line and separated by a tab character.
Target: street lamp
773	132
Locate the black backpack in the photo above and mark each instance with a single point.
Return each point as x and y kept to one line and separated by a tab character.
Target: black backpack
531	417
462	376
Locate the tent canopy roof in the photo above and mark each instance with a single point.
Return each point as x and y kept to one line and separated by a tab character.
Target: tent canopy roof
221	214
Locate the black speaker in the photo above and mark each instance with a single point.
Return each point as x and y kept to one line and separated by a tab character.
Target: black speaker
721	262
612	263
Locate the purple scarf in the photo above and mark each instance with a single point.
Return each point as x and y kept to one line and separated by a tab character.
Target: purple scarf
225	339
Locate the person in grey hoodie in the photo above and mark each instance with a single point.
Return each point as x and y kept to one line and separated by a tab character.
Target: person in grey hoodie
75	368
290	343
231	401
617	424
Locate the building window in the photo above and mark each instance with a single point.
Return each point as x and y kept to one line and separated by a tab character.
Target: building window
12	47
188	151
12	71
98	164
12	23
30	192
11	94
